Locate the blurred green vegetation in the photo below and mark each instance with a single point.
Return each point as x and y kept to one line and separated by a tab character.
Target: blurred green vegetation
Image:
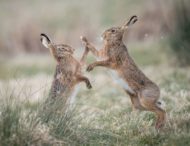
180	37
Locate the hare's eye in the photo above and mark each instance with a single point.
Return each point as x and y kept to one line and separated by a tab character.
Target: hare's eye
113	30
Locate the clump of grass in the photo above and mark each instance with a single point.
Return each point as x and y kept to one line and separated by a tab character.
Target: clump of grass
16	124
21	124
61	119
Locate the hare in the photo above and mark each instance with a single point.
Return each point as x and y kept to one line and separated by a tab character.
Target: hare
144	93
68	69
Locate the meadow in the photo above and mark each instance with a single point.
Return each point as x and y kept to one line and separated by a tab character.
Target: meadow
101	116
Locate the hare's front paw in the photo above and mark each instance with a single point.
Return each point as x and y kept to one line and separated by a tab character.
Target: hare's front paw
88	85
90	68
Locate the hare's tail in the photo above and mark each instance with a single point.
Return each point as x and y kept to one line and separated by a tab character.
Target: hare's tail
161	103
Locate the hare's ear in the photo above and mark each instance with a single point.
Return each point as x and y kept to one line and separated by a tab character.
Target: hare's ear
44	36
45	40
131	21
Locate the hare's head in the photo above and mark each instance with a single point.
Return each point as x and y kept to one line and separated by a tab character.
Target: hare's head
63	49
45	40
116	33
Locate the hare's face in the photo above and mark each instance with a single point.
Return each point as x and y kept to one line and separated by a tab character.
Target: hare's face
63	50
113	34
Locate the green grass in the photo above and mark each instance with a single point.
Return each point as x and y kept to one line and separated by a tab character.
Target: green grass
102	116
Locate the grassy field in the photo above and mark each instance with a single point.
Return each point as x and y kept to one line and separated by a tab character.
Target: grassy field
102	115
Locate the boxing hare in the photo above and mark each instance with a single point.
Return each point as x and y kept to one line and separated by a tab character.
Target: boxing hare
68	69
144	93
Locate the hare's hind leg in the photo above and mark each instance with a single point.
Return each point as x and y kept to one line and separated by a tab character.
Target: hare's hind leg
150	104
80	78
135	101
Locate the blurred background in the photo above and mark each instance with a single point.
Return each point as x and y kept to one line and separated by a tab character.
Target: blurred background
64	21
22	21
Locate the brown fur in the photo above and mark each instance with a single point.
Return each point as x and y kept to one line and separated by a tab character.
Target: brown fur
144	93
68	69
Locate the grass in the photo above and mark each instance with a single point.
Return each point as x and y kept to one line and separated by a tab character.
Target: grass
102	116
